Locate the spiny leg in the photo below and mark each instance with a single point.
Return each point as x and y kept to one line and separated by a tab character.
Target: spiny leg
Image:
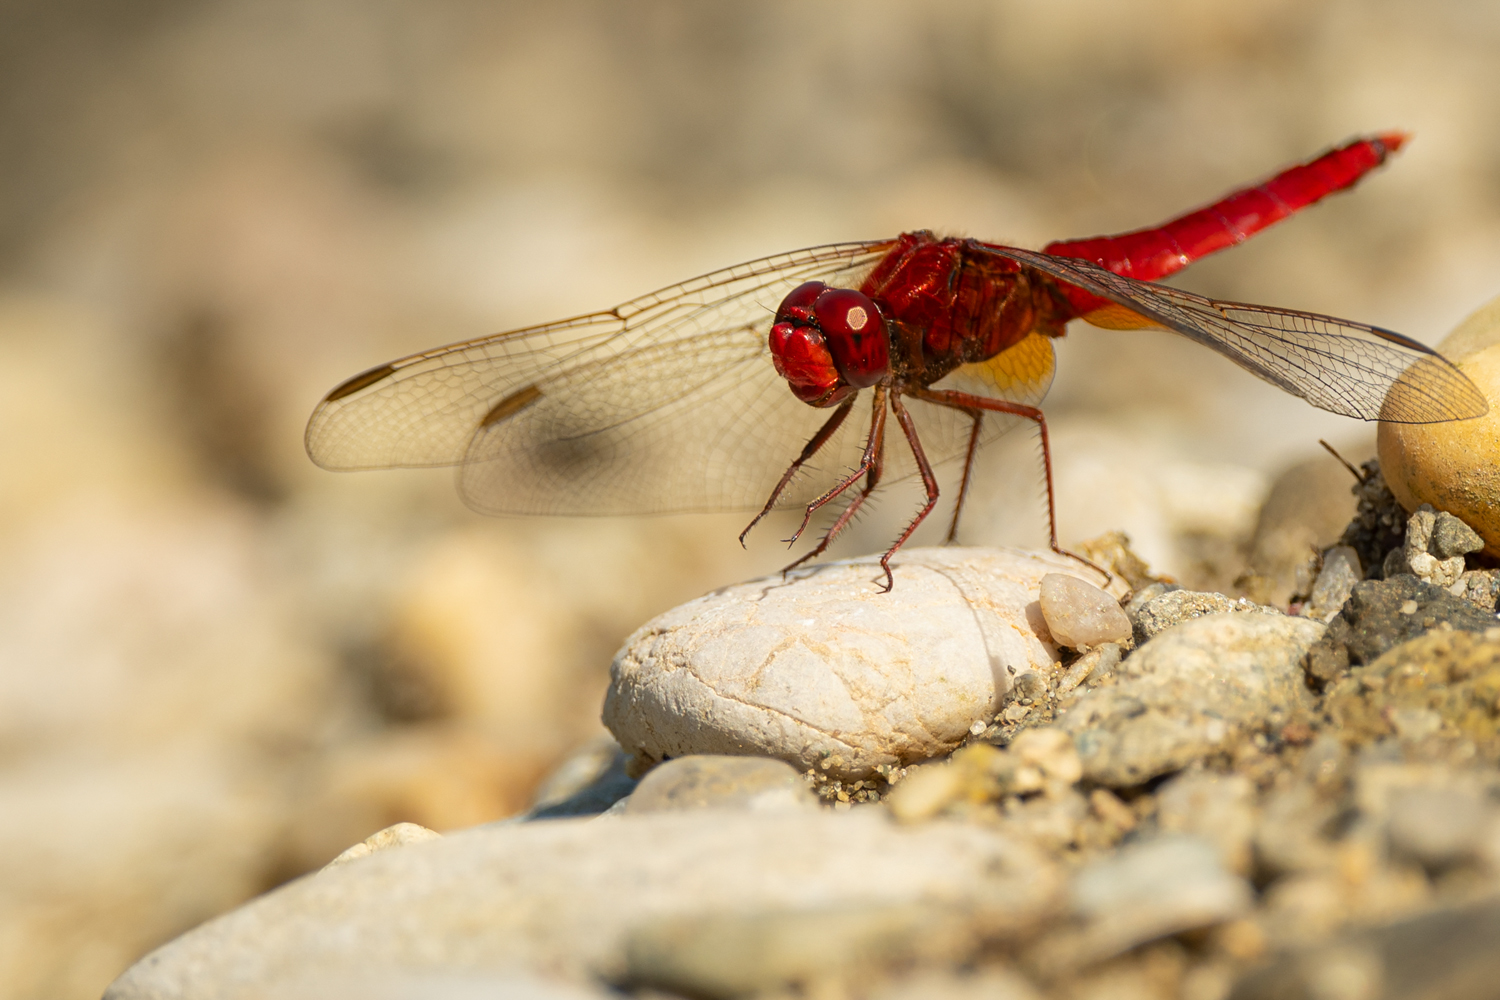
871	465
929	481
817	441
963	486
874	442
967	402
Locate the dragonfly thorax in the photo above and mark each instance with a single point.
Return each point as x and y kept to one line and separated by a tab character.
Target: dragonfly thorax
829	342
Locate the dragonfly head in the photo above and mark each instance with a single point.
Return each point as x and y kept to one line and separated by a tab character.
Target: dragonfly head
829	342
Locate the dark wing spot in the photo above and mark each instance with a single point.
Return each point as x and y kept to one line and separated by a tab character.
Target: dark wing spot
359	381
511	405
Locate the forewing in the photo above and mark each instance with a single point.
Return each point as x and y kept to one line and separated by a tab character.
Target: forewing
668	402
1335	364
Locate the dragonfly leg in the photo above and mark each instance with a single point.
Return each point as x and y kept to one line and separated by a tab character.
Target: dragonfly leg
963	486
871	466
967	402
929	482
816	442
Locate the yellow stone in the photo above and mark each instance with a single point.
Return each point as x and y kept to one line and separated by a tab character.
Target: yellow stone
1455	466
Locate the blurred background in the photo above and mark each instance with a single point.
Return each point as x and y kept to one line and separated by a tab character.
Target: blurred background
220	666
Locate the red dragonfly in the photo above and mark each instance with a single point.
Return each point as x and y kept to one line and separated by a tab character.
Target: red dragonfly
679	401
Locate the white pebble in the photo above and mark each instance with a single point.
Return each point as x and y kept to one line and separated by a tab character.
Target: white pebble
825	671
1079	614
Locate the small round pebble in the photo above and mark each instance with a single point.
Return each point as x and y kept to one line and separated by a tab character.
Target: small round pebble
1079	614
1455	465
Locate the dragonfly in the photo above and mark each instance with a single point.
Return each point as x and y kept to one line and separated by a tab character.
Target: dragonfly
693	397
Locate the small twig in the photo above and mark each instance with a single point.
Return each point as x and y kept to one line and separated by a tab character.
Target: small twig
1352	470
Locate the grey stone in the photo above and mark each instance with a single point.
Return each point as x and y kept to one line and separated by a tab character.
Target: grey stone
1040	759
1448	954
1379	523
1437	826
1433	814
1219	808
1148	890
1192	691
1307	507
1145	595
1029	685
1434	548
1381	614
1050	821
1452	537
1079	614
561	897
1289	837
587	783
722	956
705	780
1336	580
1177	606
1479	587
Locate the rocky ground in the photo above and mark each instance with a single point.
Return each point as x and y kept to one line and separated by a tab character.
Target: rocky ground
221	666
1202	798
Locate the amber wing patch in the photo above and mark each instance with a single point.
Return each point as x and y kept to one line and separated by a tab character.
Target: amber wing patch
1021	373
1117	317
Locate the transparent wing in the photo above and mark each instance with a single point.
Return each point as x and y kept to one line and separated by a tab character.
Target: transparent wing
666	403
1335	364
705	423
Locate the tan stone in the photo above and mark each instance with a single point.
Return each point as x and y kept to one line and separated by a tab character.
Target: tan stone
1455	466
398	835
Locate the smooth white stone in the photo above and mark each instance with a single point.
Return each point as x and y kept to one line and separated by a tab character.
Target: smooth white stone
562	898
825	671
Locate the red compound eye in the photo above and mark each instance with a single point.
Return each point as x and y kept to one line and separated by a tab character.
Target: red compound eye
803	360
855	334
798	304
828	343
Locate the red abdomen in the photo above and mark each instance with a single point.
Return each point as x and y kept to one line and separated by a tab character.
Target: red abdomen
1150	254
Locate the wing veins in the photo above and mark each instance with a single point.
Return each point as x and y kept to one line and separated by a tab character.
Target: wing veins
1349	368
